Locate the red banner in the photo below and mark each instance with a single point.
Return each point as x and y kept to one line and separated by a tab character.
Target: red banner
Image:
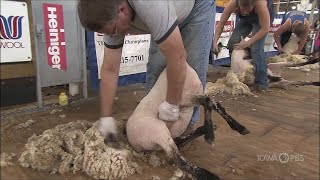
228	27
55	40
274	27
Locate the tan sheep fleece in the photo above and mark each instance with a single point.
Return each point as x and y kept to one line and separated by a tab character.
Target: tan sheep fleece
77	146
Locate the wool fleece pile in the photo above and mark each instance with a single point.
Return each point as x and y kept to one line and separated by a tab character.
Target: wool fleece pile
294	59
78	146
233	83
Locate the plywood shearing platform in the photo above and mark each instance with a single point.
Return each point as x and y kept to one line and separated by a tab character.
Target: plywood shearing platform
280	121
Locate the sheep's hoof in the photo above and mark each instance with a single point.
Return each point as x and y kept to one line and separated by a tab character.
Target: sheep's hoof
209	139
203	174
239	128
245	131
242	130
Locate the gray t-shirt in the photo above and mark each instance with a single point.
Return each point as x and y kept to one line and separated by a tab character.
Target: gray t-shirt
157	17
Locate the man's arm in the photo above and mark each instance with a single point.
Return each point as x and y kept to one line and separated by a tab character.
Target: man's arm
109	79
230	7
176	55
264	19
304	36
282	29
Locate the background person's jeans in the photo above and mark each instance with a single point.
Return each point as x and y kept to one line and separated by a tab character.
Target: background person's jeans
197	35
245	26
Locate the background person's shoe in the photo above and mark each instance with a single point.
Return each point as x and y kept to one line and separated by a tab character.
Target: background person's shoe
259	88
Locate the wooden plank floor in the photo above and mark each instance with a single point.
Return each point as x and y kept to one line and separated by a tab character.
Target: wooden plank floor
280	121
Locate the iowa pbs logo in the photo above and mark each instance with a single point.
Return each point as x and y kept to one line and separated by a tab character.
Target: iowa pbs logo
282	158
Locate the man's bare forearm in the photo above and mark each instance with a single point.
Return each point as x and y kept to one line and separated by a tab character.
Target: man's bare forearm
259	35
277	40
108	88
176	72
218	33
176	55
109	80
224	18
303	41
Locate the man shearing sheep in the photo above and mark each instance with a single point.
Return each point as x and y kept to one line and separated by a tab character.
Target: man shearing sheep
255	16
182	32
293	22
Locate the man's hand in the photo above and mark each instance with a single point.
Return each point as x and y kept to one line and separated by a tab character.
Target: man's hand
280	50
108	128
241	45
168	112
216	49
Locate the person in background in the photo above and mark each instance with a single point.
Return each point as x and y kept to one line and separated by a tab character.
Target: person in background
182	32
293	22
255	16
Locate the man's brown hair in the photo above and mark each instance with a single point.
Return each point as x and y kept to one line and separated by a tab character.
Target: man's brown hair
246	3
299	29
95	14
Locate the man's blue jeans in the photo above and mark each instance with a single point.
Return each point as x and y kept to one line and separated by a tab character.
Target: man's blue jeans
197	35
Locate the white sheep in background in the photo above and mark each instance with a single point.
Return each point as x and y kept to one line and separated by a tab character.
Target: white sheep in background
241	74
292	45
275	64
145	131
240	65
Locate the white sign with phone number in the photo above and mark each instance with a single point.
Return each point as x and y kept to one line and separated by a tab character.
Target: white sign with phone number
135	53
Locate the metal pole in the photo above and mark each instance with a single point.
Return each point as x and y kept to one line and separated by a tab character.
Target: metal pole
84	59
39	92
83	55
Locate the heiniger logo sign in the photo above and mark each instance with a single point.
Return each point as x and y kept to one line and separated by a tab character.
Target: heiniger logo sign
55	41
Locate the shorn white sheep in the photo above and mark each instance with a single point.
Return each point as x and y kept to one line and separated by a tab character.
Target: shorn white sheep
145	131
245	68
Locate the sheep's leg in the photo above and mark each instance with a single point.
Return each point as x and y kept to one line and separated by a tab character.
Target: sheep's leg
173	154
230	120
206	101
182	141
313	61
206	130
284	84
274	78
305	83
